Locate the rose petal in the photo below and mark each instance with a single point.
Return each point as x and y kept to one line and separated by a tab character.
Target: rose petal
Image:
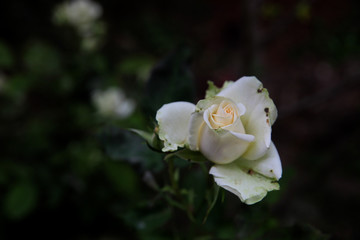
269	165
196	125
174	121
260	113
236	127
249	91
249	186
242	109
221	146
243	136
207	117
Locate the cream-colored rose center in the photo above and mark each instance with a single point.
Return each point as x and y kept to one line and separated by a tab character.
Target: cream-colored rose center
223	114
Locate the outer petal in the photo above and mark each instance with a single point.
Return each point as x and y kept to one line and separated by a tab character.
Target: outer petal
249	186
196	125
260	112
222	146
269	165
174	121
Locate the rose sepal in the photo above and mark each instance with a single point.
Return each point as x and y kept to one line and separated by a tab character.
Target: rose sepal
152	139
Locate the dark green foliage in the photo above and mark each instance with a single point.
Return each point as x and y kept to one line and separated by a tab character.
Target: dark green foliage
20	200
123	145
170	80
6	56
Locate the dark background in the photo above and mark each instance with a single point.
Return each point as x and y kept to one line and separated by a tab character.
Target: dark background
66	173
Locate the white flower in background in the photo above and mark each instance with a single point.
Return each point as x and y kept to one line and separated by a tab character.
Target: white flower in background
82	12
84	16
79	13
231	128
112	102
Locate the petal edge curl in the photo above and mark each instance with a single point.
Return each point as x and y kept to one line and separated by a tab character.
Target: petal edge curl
249	186
269	165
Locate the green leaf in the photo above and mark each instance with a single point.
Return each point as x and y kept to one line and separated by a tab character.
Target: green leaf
189	155
145	135
123	145
20	200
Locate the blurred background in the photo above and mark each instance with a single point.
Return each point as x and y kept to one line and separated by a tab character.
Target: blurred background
74	75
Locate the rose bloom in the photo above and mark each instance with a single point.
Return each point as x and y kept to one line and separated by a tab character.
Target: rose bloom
232	128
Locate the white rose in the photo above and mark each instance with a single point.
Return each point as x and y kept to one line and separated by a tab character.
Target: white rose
233	130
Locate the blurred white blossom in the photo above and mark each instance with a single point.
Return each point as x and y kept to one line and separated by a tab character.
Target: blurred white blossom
79	13
84	16
112	102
